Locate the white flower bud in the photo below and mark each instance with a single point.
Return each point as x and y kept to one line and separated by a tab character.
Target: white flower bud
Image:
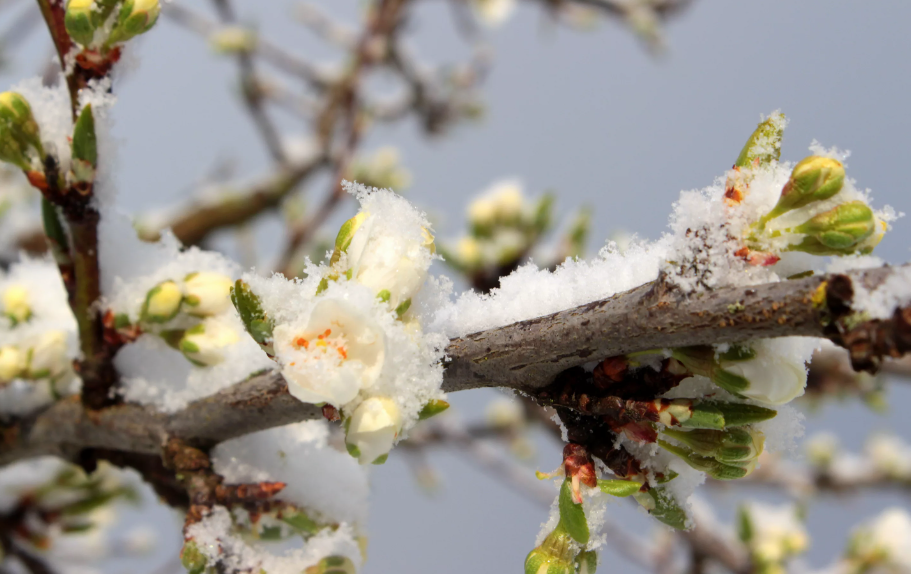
773	379
372	430
337	352
468	252
207	293
16	303
48	357
482	212
12	362
885	540
204	344
776	532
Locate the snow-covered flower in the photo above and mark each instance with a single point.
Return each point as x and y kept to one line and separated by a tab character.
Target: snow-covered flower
493	12
12	362
394	265
335	353
773	533
503	202
48	357
162	303
372	429
16	303
204	344
884	542
207	293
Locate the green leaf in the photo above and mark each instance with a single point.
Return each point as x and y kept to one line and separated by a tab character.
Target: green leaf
250	309
85	146
619	488
300	522
663	507
572	516
764	143
740	414
744	525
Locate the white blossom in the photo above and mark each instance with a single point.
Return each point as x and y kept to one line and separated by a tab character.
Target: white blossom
777	532
372	429
12	362
331	356
16	303
773	378
207	293
48	357
886	539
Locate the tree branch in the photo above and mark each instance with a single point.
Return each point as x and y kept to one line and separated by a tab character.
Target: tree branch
524	356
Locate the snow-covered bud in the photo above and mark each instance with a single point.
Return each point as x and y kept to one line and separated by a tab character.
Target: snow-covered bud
162	303
764	145
662	506
733	445
12	363
85	150
332	565
337	352
204	344
493	12
18	131
207	294
80	21
393	265
756	374
838	231
136	17
372	429
883	542
773	534
710	465
813	179
192	558
48	357
16	304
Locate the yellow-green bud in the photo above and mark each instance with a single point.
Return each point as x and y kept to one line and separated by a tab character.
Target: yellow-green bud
203	344
233	40
80	21
192	559
711	466
729	446
837	231
162	303
18	130
12	363
346	234
813	179
136	17
16	304
207	293
554	556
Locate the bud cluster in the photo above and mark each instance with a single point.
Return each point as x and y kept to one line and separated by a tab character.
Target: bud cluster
503	227
189	315
43	357
99	25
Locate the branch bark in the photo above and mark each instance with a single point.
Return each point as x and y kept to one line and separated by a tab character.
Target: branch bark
524	356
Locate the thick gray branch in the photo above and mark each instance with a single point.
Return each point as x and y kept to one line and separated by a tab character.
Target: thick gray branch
523	356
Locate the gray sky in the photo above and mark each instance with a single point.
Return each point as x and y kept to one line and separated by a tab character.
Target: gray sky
593	116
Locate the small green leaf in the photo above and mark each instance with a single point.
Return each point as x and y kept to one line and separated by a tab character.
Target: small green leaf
740	414
619	488
764	145
744	525
572	516
301	522
663	507
250	309
85	146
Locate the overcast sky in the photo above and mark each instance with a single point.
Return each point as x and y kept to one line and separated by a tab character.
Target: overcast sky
591	115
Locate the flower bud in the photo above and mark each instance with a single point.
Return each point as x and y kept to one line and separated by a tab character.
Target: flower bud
12	363
79	20
48	357
764	145
207	293
18	131
432	408
711	466
136	17
233	40
813	179
162	303
372	429
16	304
837	231
729	446
204	344
555	555
493	12
255	320
192	559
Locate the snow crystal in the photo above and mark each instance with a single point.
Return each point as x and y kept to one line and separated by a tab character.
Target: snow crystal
881	302
319	478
